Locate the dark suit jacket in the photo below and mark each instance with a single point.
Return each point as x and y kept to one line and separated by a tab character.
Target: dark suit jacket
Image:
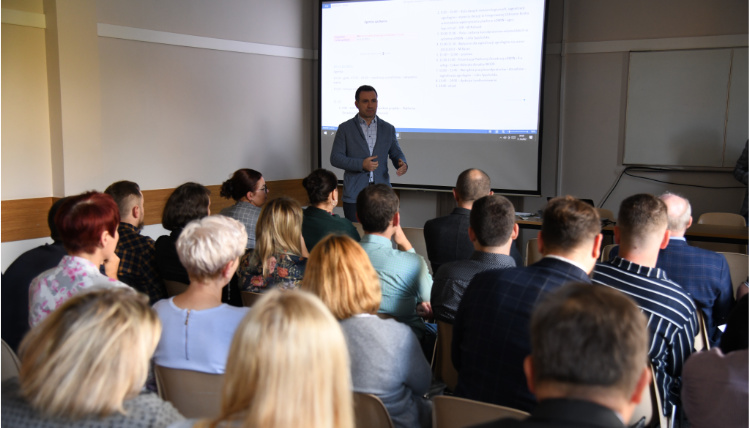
491	334
563	413
704	275
447	239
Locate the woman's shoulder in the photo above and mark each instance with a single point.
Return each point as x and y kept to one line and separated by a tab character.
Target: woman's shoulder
148	409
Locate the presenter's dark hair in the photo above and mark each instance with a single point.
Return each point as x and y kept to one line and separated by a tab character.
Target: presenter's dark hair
375	206
319	184
121	192
568	223
492	220
82	219
188	202
364	88
242	181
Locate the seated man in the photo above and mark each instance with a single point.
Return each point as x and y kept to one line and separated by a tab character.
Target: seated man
492	231
641	231
702	273
447	237
404	275
588	361
491	334
136	252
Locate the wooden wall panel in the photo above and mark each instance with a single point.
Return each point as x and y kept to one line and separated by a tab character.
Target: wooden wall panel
27	218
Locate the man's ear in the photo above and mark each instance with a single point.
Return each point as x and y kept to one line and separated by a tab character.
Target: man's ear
455	195
528	370
136	212
397	219
642	383
597	242
617	235
540	243
666	237
689	223
471	234
515	232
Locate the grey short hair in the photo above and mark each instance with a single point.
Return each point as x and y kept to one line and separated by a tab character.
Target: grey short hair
206	245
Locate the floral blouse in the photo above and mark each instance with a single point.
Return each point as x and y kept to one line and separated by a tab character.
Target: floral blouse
285	271
53	287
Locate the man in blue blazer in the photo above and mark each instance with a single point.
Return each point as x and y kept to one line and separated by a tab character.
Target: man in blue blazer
491	334
360	144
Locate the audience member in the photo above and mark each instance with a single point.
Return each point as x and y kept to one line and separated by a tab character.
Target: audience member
136	252
492	232
491	335
447	237
288	367
319	220
588	361
404	275
716	385
280	254
702	273
198	328
18	277
85	366
87	224
386	359
641	231
247	187
190	201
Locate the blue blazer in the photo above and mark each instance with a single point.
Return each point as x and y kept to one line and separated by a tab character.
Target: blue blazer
491	334
350	149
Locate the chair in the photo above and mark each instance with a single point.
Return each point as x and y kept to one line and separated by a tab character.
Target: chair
174	287
605	214
606	252
725	219
10	364
701	342
738	264
359	228
532	255
455	412
370	412
442	363
415	236
193	394
249	298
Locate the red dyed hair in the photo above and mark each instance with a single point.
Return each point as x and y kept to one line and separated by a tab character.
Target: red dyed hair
82	219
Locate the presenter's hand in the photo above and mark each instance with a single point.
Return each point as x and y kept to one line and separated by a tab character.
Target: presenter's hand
370	164
402	167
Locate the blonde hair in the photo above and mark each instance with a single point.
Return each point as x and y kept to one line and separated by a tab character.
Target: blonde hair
90	354
279	230
206	245
288	366
340	274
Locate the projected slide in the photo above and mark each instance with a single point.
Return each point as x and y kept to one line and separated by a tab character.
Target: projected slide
443	69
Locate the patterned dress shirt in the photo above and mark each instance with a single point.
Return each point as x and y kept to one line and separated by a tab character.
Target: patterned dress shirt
672	319
404	278
247	214
138	262
452	280
53	287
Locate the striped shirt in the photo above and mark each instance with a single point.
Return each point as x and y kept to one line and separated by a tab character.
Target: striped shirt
672	319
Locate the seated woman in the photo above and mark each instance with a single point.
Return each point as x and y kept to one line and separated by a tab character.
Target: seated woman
319	220
85	366
190	201
280	254
386	358
87	226
197	327
247	187
288	367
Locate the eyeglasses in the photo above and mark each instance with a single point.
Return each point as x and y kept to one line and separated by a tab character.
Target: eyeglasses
263	189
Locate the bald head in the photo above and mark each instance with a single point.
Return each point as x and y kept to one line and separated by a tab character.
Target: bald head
472	184
679	213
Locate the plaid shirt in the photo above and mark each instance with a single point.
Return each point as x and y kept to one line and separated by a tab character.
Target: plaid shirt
247	214
138	262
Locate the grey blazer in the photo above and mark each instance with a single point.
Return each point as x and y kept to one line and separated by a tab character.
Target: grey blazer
350	149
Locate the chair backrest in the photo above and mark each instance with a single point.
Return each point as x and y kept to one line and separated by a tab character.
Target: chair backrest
385	316
442	366
605	214
701	342
359	228
370	412
738	264
415	236
455	412
606	251
725	219
532	255
249	298
193	394
174	287
10	364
